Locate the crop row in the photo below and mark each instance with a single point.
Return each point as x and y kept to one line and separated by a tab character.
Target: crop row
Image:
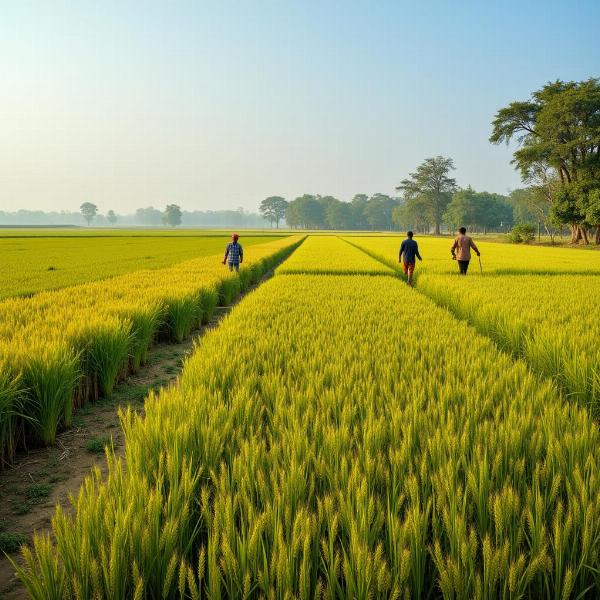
497	258
318	446
63	348
551	321
331	255
32	264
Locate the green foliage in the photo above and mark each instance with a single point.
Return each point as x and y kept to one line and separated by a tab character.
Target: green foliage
478	210
96	445
11	542
172	215
12	398
430	188
558	129
89	211
273	209
327	212
522	233
38	492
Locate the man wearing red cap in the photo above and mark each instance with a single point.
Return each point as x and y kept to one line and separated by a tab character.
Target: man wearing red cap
235	253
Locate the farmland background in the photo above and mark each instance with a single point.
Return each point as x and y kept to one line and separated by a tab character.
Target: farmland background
371	439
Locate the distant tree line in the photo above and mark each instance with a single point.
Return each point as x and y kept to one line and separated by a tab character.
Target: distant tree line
558	134
149	217
326	212
427	213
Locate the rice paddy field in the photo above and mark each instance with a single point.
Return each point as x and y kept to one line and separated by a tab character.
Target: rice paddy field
338	435
34	260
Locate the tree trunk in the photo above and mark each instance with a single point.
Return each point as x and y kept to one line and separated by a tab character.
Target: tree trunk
597	240
437	229
573	233
584	233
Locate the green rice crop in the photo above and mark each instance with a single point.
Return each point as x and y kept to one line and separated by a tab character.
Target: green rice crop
331	255
546	312
32	263
70	346
328	440
497	258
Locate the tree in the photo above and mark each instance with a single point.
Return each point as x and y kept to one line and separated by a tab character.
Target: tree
112	217
172	215
89	211
358	206
411	215
339	215
558	133
378	211
149	216
273	209
533	205
306	211
478	210
592	214
430	187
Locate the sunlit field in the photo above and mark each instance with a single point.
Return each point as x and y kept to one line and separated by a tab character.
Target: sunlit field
34	261
339	435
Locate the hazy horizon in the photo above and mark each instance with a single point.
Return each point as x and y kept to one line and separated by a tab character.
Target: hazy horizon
216	106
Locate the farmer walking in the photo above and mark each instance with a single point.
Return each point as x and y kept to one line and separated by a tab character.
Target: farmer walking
234	253
409	249
461	250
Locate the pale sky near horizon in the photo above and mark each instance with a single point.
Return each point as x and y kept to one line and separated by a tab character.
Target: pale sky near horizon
219	104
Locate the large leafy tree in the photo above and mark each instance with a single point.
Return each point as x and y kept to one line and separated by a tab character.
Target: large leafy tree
172	215
379	211
430	187
478	210
89	211
558	129
307	211
273	209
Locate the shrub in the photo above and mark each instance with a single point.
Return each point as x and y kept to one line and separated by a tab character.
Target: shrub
522	233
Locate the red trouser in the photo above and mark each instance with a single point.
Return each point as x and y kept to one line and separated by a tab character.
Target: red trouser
409	268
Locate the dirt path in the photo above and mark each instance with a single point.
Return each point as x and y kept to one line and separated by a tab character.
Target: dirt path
46	477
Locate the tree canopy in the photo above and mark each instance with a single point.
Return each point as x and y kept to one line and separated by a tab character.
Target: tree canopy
558	134
429	189
327	212
172	215
89	211
273	209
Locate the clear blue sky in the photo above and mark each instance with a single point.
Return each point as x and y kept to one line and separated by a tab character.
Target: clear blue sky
220	104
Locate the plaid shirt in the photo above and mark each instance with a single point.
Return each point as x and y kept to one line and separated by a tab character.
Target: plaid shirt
234	252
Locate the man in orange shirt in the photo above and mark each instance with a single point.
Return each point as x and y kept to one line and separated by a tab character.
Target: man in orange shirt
461	250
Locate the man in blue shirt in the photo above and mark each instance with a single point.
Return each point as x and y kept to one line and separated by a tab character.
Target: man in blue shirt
235	253
408	250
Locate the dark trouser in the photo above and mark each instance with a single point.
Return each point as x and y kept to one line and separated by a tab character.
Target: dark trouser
463	266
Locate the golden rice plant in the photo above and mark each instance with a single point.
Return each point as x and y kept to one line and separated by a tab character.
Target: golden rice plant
72	345
331	255
318	445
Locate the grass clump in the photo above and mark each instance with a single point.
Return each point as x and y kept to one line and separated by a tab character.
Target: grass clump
96	445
